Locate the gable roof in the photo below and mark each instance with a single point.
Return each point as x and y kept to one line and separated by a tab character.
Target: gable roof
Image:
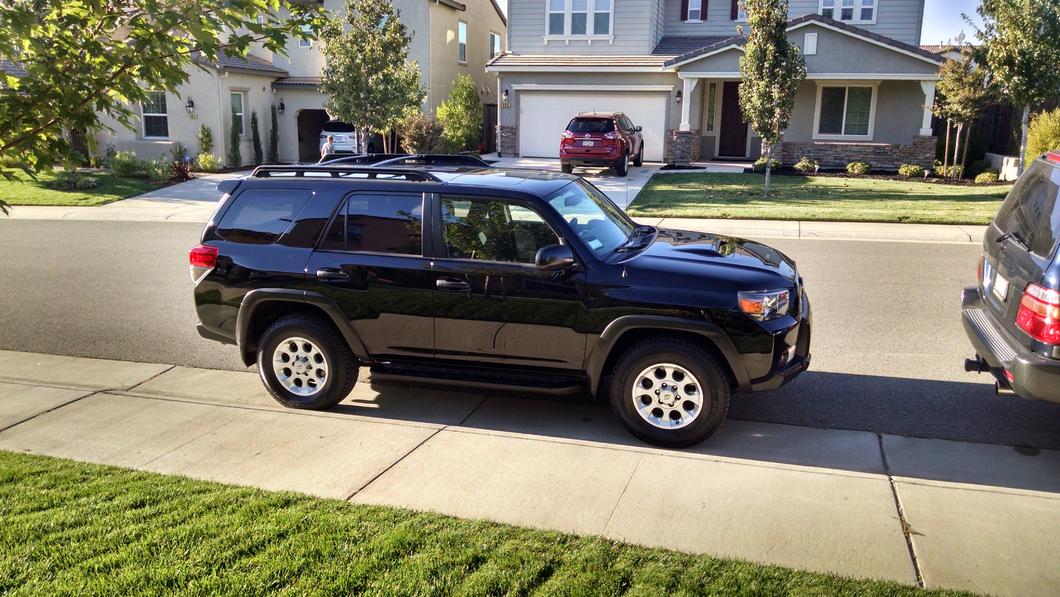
814	18
247	64
675	45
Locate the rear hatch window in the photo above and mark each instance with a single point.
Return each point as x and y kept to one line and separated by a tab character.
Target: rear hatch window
338	127
1031	210
591	125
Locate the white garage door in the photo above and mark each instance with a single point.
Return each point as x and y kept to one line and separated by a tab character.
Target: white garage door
543	115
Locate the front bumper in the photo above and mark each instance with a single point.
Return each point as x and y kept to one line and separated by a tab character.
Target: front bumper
1034	376
793	351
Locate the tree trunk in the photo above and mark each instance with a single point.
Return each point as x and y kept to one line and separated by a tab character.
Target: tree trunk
956	149
964	155
1024	125
946	153
769	168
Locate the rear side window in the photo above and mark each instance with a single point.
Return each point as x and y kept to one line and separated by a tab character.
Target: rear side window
260	216
1032	211
379	223
591	125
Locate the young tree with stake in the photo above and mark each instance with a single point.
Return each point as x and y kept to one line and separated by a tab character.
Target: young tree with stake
962	90
771	70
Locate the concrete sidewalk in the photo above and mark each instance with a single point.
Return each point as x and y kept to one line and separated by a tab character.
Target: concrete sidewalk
938	513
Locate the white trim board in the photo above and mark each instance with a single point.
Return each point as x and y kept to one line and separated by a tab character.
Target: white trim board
536	87
551	68
874	99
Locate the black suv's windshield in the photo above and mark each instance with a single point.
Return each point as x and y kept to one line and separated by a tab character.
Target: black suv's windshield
596	221
1031	212
591	125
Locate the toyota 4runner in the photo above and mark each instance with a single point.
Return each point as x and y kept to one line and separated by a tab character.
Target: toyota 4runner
493	279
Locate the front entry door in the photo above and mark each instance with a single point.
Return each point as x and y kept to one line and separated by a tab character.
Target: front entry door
492	304
732	136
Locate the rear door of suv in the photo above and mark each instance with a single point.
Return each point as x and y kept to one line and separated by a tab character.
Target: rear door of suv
1021	243
370	263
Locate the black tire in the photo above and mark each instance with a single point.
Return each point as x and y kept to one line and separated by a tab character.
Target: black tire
639	160
621	167
341	364
566	168
714	390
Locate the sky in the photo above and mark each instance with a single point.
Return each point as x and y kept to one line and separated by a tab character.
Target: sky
942	19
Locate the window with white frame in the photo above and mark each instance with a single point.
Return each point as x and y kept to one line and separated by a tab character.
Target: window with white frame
579	18
850	11
307	41
238	114
154	115
495	45
461	41
695	10
845	111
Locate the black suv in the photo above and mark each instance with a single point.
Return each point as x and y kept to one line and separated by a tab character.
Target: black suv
493	279
1012	316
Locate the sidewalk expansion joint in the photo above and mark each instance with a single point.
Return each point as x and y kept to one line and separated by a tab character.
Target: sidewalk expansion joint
88	394
907	530
153	377
623	494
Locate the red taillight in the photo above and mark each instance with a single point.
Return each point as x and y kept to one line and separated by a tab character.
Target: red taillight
979	273
203	256
611	135
567	135
1039	314
1053	156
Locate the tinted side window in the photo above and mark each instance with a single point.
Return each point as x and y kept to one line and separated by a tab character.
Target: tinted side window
493	230
1032	211
260	216
378	222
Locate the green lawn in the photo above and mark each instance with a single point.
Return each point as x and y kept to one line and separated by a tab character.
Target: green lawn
34	192
71	528
739	196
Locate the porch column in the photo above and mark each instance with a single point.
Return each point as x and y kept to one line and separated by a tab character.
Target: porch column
689	85
929	103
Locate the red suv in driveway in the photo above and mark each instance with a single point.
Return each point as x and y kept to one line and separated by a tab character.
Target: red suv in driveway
606	139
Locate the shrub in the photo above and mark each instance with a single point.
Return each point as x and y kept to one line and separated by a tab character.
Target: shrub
986	178
180	165
127	165
421	133
159	170
806	165
859	168
72	180
461	115
205	139
945	171
235	156
255	137
207	162
274	139
760	165
910	170
1044	134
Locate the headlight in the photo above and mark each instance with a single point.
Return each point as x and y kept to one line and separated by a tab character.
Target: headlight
766	305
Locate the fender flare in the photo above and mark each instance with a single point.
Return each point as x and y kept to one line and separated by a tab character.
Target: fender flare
614	331
255	298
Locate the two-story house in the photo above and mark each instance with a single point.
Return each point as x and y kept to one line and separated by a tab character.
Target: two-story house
672	66
449	37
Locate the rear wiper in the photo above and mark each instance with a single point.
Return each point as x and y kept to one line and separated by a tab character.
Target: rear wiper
1014	236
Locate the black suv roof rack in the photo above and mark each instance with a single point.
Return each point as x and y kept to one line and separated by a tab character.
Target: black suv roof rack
344	171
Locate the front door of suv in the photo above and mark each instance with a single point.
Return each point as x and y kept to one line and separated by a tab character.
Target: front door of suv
493	305
370	263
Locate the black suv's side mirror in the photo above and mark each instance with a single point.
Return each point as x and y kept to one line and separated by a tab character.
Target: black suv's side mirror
554	257
637	129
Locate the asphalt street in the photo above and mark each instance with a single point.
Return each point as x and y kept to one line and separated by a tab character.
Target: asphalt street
888	344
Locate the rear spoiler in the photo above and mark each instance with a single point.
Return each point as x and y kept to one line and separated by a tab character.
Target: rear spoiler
228	185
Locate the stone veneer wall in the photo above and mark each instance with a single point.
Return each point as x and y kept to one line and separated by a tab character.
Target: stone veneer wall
507	140
882	156
682	147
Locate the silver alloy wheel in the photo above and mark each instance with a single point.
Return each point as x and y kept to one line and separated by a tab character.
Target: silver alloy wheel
300	366
667	396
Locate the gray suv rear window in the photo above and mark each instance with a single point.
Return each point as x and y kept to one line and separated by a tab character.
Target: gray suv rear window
260	216
1032	210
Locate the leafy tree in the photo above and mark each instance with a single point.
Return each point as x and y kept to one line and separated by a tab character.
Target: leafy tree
77	67
1044	133
962	90
235	155
274	139
771	70
421	133
461	114
367	78
1021	49
255	137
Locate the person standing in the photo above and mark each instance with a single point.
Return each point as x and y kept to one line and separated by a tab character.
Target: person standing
328	148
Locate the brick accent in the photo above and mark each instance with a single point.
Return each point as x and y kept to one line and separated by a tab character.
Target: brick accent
507	140
682	147
882	156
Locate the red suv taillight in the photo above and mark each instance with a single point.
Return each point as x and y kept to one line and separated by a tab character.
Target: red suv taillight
1039	314
979	272
202	259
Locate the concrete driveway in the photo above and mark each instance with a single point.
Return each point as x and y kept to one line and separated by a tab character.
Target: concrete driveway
621	189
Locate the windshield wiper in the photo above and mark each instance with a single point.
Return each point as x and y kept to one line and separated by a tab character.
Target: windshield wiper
637	233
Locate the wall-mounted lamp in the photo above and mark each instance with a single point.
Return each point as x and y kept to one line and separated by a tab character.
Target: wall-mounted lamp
677	98
504	96
190	106
281	108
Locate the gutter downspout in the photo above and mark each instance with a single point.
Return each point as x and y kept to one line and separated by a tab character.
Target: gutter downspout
220	116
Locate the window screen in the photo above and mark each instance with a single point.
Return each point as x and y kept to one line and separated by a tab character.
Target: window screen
260	216
379	223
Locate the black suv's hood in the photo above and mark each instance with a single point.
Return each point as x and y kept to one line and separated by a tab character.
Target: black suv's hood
683	251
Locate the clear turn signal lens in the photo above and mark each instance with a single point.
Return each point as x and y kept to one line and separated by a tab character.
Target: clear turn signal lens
764	306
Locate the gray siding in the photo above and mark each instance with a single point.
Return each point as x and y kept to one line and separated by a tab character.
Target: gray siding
633	30
722	62
840	53
897	19
899	110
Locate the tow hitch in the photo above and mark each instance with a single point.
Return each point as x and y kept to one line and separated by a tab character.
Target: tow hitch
976	365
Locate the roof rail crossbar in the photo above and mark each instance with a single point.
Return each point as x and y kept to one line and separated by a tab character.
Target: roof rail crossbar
435	159
344	170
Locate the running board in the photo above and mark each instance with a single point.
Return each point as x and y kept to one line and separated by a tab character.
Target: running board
479	378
